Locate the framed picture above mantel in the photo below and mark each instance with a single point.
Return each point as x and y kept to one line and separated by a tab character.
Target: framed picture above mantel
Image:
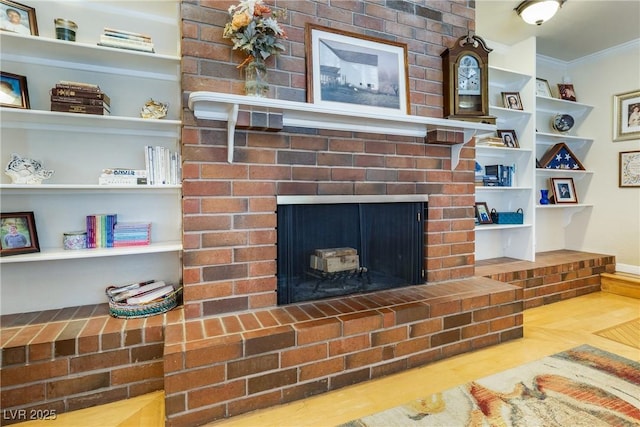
347	70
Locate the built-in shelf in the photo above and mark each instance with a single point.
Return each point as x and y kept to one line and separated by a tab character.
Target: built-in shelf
555	105
225	107
507	79
569	210
79	189
493	227
57	254
87	57
486	188
88	123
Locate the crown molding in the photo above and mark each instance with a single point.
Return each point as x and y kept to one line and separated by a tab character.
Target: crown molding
631	46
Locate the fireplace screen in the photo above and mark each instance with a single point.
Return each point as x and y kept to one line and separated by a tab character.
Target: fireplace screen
327	250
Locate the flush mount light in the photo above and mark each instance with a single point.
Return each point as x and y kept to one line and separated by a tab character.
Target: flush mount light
535	12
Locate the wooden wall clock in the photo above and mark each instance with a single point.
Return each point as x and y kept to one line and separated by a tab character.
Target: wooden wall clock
465	69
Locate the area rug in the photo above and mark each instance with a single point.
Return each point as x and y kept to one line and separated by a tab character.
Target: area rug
584	386
627	333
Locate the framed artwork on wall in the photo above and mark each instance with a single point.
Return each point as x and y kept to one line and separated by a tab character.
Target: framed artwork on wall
18	233
626	116
629	169
351	71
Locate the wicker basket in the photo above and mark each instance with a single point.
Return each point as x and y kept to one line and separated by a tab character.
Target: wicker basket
122	310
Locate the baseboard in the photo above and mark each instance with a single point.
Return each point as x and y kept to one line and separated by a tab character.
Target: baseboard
628	268
621	283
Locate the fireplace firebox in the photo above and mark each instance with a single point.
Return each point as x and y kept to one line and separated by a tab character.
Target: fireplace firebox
333	246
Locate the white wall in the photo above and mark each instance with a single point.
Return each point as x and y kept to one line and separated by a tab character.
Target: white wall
612	226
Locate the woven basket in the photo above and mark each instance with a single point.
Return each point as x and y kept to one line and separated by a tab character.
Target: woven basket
122	310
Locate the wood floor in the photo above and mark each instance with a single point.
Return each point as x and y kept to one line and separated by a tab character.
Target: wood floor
548	329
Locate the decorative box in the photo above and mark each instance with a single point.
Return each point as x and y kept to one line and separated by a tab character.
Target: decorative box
516	217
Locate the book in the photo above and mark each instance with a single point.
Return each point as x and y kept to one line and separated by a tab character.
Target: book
74	93
88	87
140	173
79	100
122	44
129	41
151	295
121	180
124	32
79	108
124	36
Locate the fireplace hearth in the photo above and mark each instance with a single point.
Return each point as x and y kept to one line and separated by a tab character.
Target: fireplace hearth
380	244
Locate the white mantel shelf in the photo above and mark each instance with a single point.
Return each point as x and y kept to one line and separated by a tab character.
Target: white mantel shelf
225	107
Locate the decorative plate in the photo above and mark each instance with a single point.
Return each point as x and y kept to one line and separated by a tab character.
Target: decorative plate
562	122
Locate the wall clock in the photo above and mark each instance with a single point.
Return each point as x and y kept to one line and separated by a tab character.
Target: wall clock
466	80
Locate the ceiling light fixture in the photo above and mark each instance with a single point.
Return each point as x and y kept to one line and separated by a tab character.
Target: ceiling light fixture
535	12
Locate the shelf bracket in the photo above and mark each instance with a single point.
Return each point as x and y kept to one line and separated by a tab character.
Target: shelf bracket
569	213
457	148
231	130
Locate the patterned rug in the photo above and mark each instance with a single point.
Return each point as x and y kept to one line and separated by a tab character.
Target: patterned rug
584	386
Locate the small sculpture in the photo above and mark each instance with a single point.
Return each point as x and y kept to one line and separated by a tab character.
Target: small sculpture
26	171
154	110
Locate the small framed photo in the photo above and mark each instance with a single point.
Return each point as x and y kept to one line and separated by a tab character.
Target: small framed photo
512	100
564	191
13	91
566	92
18	18
351	71
482	213
629	169
509	138
18	233
543	88
626	116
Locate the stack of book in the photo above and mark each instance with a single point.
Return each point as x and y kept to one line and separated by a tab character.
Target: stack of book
499	176
132	234
123	177
164	167
100	230
79	97
126	40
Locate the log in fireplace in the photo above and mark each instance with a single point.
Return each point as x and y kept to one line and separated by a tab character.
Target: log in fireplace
372	242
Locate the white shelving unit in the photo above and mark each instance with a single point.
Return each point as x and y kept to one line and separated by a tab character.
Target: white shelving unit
509	240
78	146
557	216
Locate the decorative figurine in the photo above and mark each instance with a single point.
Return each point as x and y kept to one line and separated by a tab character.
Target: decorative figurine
154	110
26	171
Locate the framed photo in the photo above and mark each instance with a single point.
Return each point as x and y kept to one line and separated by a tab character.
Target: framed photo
626	116
18	18
629	169
13	91
512	100
482	213
566	92
347	70
509	138
563	190
543	88
18	233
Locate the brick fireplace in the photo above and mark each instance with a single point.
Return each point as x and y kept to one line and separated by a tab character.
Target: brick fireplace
267	354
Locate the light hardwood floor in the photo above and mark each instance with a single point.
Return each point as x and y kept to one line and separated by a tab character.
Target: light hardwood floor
547	330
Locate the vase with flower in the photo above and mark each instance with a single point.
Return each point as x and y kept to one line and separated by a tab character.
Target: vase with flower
254	30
